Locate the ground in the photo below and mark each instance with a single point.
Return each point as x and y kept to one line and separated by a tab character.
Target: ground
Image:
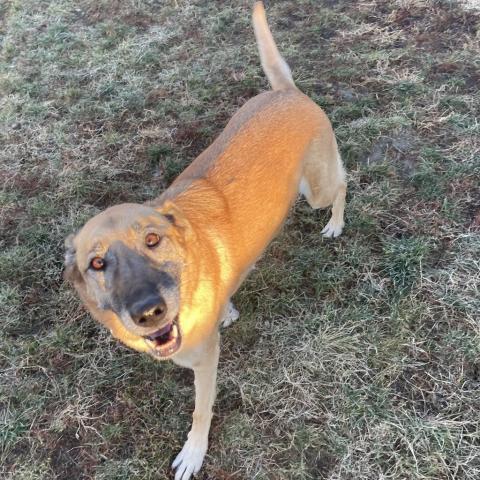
357	358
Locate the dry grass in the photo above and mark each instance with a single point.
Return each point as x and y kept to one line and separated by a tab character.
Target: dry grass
353	359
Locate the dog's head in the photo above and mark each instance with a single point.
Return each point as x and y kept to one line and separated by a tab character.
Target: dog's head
126	264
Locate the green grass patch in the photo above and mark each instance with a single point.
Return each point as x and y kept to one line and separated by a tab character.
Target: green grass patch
353	359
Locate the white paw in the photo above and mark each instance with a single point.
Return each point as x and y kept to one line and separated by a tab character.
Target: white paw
231	314
190	459
332	229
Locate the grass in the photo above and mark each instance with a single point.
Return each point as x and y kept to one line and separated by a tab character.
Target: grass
353	359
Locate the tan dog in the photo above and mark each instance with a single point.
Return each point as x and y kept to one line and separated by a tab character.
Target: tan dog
160	275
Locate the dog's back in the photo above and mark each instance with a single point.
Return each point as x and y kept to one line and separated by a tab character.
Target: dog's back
251	173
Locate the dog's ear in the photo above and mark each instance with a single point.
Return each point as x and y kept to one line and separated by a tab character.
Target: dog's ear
177	218
71	272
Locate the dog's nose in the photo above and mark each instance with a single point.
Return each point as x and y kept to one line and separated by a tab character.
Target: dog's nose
148	312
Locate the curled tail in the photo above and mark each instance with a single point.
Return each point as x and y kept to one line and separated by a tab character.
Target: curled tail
274	66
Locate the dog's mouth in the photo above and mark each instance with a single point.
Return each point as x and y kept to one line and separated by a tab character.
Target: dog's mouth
166	341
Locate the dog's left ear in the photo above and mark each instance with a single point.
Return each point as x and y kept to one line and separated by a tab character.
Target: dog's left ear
71	272
177	218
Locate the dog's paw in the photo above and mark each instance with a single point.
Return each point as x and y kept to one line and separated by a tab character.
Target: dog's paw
332	230
231	314
190	459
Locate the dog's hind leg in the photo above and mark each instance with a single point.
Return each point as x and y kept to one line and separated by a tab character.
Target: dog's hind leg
231	315
323	182
336	223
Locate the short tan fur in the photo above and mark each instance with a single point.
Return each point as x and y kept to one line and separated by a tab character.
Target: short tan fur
214	221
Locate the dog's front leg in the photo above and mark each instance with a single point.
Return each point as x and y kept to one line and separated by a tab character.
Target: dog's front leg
190	459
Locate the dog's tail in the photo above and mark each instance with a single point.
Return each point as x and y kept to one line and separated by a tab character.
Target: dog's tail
274	66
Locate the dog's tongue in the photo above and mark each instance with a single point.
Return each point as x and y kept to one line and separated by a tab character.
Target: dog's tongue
160	333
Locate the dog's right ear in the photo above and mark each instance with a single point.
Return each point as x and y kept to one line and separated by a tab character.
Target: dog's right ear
71	272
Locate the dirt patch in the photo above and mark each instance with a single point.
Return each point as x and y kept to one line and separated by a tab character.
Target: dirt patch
66	457
398	149
442	72
475	225
94	12
319	463
28	184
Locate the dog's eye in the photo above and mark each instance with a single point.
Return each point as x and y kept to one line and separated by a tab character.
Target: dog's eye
152	240
97	263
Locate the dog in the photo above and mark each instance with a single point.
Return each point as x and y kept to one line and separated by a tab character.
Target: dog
160	275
